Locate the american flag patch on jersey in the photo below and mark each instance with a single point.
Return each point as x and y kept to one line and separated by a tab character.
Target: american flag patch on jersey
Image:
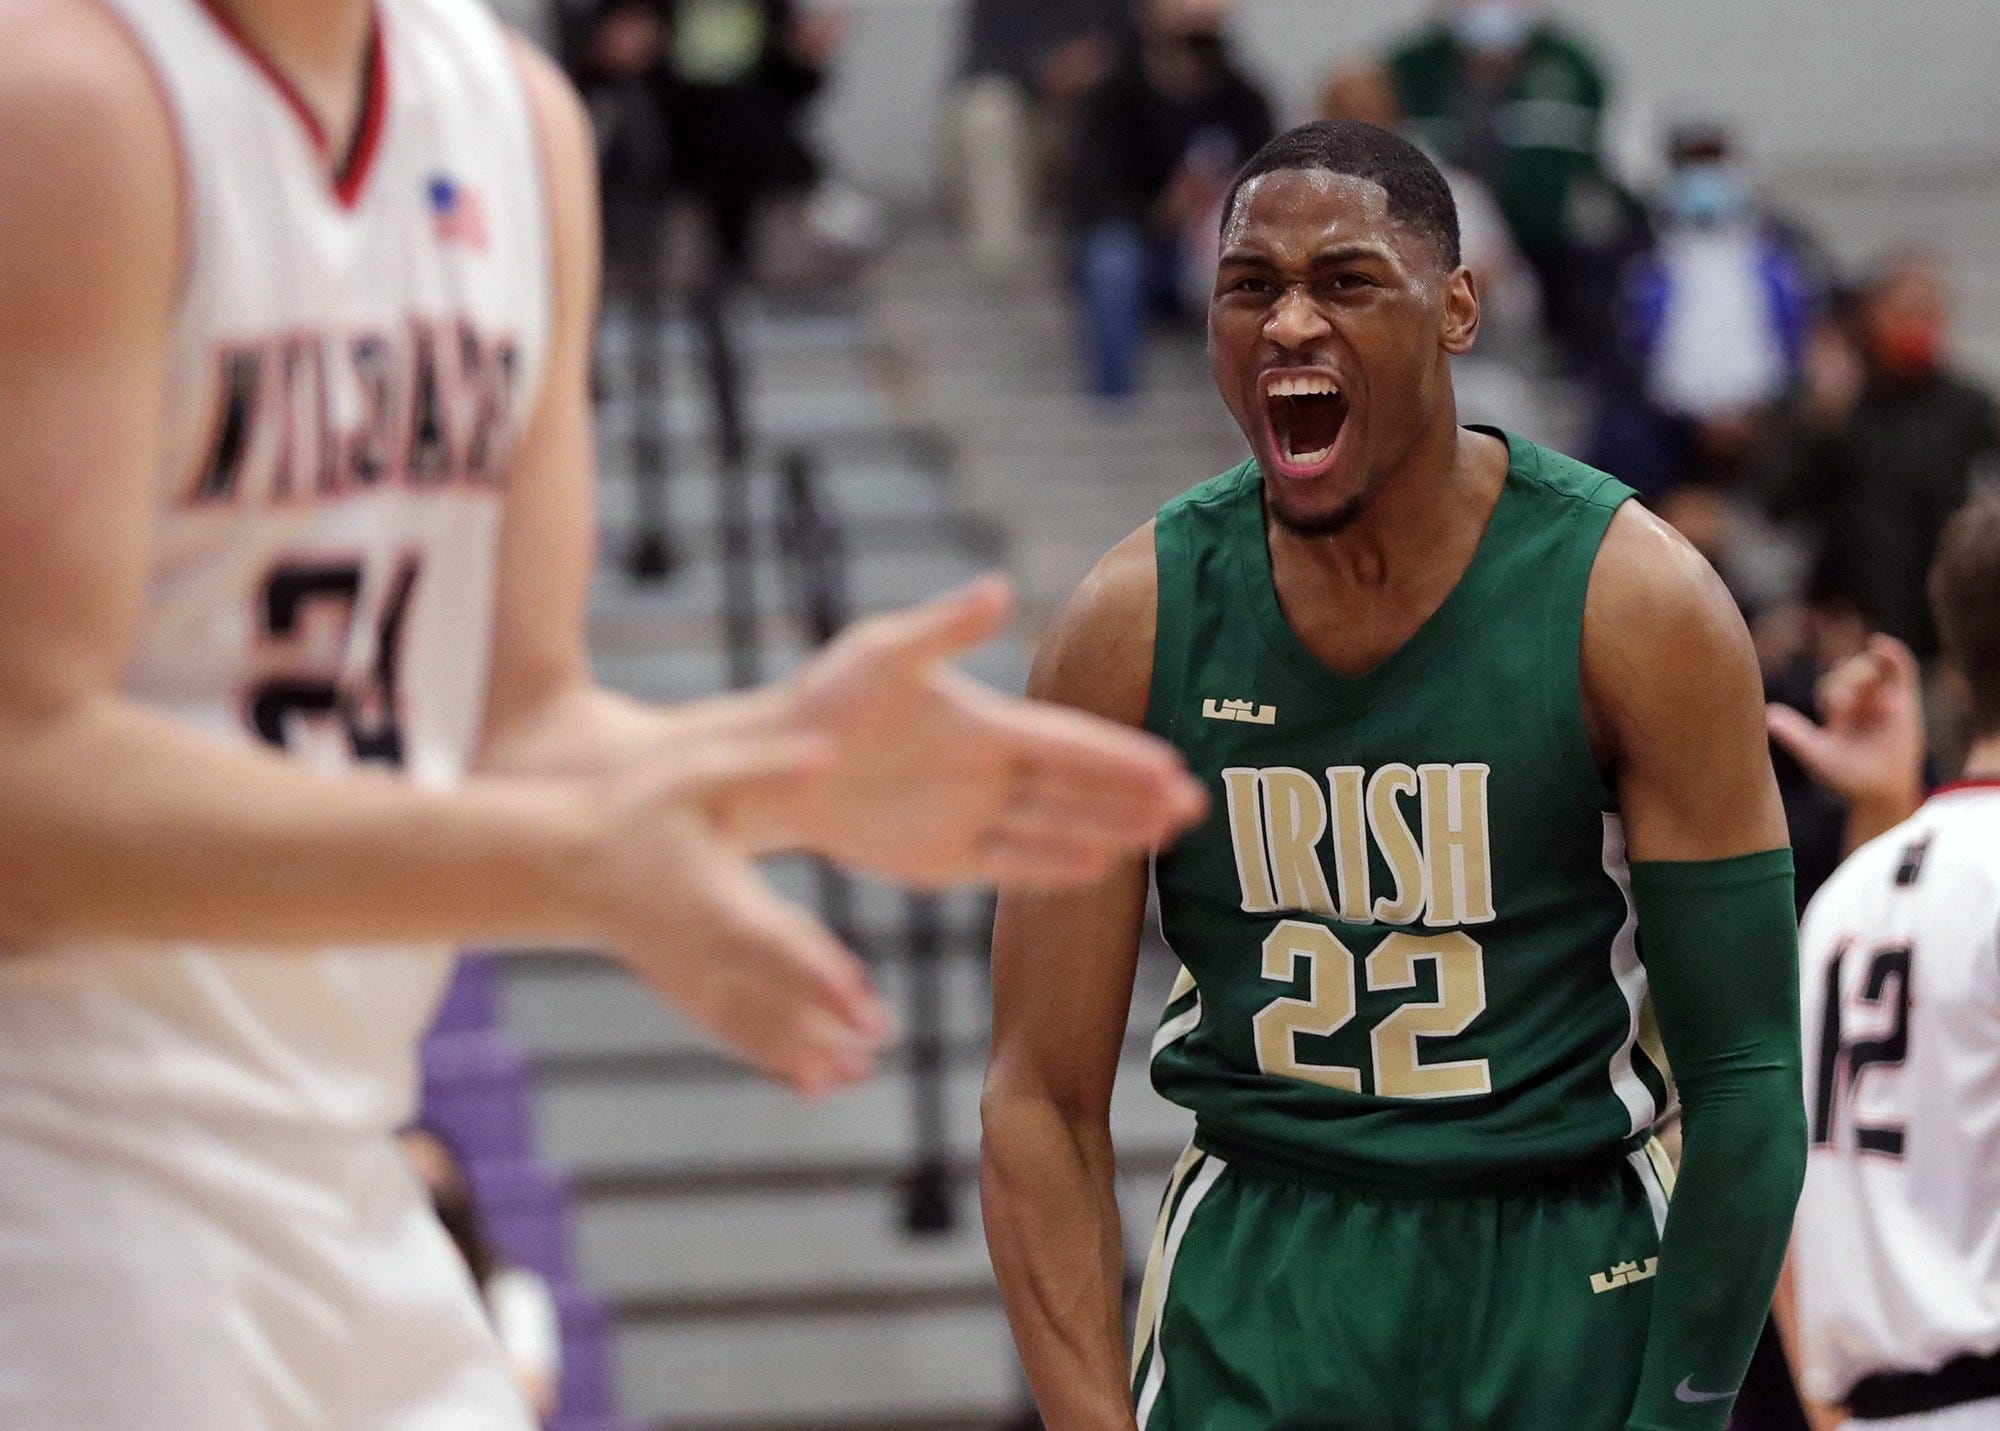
457	216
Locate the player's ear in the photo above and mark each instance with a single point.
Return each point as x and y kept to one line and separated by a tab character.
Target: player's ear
1461	312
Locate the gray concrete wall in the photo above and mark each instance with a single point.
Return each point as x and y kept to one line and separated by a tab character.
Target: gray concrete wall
1807	80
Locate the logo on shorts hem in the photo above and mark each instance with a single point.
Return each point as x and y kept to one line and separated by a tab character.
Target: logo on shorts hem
1623	1274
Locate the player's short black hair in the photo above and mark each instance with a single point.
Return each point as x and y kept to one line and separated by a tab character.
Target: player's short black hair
1419	197
1965	601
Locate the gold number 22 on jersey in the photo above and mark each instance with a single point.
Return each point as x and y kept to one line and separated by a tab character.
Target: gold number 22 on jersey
1329	1005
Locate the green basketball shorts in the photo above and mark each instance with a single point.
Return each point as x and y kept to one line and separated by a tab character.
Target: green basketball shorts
1276	1301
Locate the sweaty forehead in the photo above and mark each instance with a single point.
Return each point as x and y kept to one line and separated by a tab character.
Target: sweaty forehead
1295	212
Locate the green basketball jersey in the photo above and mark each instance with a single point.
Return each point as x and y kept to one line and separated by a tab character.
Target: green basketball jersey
1405	927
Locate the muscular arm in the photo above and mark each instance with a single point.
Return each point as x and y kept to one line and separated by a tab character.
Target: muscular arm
1672	688
1062	988
118	823
114	821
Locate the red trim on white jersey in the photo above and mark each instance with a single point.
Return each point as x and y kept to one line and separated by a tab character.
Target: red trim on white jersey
1959	787
352	175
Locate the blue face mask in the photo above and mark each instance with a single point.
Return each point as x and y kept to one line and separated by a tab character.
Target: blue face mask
1708	194
1490	27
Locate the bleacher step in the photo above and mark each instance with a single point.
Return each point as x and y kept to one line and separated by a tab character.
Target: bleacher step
871	1369
750	1128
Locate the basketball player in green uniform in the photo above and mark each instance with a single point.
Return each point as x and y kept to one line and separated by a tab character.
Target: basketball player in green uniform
1494	843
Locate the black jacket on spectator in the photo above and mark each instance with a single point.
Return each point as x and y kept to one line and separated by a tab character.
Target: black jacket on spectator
1014	37
1131	139
1880	487
728	97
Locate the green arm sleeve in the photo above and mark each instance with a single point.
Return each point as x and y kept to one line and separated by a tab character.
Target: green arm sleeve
1719	940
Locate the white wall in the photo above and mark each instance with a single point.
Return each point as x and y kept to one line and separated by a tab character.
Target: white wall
1804	79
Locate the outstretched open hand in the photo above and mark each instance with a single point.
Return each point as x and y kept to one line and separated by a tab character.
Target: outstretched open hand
692	917
937	779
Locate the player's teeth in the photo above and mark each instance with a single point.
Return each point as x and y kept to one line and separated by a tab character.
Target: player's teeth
1307	459
1303	387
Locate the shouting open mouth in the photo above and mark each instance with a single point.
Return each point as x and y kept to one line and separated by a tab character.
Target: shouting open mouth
1306	412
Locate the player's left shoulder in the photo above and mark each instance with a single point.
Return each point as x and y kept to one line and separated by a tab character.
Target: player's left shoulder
1661	632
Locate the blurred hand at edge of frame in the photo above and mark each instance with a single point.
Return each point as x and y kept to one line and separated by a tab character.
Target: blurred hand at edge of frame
1870	748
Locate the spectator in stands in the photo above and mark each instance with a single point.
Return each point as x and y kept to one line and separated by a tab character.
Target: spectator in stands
1027	65
732	80
1880	443
1493	381
1507	289
1497	88
517	1300
1712	320
1156	145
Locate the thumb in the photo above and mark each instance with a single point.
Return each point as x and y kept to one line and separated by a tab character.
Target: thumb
954	622
1805	742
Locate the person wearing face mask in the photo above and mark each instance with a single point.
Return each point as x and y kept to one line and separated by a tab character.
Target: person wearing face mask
1880	442
1156	144
1712	321
1501	90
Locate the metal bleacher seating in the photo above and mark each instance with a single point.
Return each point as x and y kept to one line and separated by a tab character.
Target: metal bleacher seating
725	1256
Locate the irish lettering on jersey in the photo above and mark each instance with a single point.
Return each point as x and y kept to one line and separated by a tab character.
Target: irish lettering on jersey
312	416
1408	948
1440	867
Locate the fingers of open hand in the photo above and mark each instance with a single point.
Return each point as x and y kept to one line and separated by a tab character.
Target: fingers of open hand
807	971
1023	857
955	622
768	980
1106	818
1104	776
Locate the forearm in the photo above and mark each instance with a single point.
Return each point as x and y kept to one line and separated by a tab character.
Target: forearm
583	729
1742	1161
118	823
1720	946
1052	1228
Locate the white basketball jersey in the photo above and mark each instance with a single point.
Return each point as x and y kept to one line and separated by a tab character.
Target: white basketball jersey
1897	1244
203	1226
352	363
